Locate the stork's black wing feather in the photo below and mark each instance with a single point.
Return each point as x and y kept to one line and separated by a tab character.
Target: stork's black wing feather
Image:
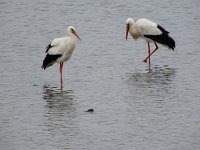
50	60
162	29
48	47
163	38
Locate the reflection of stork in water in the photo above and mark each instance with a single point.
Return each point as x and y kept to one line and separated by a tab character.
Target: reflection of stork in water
58	98
59	111
156	77
154	86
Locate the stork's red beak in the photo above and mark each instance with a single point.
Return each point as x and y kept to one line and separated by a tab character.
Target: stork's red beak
76	35
127	29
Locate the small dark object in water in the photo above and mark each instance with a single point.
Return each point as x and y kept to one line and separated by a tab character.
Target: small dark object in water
90	110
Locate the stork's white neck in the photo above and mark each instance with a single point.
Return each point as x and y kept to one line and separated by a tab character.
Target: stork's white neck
133	31
132	27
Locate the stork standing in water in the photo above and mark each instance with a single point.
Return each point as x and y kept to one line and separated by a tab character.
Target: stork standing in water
151	32
60	50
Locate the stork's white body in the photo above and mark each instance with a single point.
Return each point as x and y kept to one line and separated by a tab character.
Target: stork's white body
144	27
147	27
64	46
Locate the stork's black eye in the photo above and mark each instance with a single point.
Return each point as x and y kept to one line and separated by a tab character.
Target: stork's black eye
72	30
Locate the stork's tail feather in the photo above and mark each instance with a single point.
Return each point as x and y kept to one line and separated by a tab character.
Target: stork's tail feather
49	60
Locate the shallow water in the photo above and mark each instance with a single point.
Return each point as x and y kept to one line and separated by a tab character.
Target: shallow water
135	106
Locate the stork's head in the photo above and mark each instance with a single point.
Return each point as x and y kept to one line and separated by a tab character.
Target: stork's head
71	30
129	22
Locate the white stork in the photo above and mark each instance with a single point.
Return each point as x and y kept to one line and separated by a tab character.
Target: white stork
151	32
60	50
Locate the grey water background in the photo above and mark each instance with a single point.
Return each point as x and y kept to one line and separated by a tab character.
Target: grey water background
134	108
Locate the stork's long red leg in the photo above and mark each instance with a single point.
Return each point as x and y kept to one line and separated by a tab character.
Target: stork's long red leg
61	66
145	60
149	52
